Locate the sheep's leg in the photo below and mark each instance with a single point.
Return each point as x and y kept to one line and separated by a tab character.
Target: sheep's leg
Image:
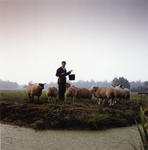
115	101
73	99
29	96
32	98
124	101
65	98
38	99
55	99
98	101
110	100
49	99
103	101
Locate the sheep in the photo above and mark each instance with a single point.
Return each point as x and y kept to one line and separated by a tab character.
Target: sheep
71	92
83	93
68	85
52	92
35	90
103	93
118	92
127	93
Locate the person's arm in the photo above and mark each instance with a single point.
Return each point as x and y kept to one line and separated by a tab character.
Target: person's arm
67	73
58	73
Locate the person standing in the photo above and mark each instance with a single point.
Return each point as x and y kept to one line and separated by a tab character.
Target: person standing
62	73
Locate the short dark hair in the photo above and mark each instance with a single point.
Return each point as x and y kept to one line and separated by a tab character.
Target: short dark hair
64	62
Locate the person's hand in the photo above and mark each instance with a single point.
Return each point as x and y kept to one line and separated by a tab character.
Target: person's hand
62	73
70	70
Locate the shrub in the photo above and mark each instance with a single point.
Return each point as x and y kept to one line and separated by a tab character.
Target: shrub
143	132
122	122
99	121
39	124
95	121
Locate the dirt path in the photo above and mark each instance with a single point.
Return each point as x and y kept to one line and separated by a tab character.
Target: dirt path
20	138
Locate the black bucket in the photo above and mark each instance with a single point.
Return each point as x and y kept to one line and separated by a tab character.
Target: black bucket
72	77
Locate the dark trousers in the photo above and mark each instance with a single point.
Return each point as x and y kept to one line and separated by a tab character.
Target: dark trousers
62	89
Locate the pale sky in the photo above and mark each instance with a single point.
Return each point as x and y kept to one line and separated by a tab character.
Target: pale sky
99	39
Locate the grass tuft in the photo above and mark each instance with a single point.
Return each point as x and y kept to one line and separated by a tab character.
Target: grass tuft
39	124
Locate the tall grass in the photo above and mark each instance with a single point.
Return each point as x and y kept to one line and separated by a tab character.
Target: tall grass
143	132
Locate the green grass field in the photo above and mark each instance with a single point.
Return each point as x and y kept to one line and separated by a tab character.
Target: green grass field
21	96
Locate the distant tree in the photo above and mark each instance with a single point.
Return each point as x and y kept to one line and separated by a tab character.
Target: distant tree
8	85
135	84
25	86
146	83
121	81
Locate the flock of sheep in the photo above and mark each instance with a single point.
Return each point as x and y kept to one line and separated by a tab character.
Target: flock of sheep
111	93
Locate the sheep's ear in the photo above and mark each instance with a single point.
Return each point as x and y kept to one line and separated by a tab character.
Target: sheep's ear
95	88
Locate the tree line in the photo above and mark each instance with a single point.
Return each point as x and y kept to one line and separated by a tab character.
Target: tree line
8	85
133	86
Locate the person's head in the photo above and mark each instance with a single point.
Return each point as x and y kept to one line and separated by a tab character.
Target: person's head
63	64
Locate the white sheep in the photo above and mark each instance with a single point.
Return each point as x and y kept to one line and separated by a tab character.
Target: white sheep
35	90
71	92
103	93
81	92
52	92
127	93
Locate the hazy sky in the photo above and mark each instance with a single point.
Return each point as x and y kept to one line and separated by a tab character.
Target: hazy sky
99	39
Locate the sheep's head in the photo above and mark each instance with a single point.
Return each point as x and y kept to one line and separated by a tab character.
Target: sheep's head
93	88
120	86
68	85
42	85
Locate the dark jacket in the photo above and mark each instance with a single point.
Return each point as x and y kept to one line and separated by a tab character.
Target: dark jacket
61	70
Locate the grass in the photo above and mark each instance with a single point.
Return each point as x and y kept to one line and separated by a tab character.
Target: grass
134	96
21	96
39	124
50	107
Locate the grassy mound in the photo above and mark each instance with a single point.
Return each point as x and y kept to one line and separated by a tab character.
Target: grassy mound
17	109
